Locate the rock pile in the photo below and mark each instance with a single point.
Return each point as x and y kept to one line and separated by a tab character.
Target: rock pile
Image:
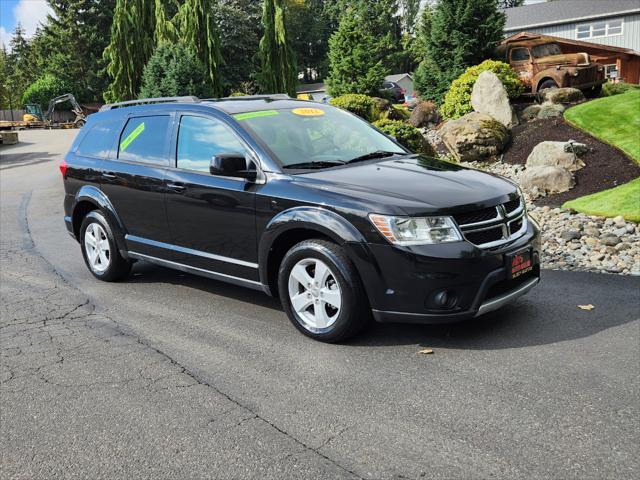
550	167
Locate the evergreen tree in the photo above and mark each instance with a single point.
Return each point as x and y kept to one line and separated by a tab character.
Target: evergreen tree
4	78
278	74
198	31
463	33
130	47
309	28
510	3
240	33
20	66
174	70
364	48
72	43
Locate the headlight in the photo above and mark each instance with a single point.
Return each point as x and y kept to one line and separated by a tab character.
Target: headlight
416	230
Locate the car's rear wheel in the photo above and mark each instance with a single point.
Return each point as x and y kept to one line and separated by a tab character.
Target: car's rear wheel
99	249
321	291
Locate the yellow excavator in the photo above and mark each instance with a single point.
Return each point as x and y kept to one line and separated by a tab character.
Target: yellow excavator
34	116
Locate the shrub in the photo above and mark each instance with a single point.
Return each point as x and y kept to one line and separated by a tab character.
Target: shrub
610	88
424	114
406	135
457	101
362	105
237	94
44	89
174	70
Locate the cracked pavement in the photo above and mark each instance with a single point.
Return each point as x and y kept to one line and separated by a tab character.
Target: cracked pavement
168	375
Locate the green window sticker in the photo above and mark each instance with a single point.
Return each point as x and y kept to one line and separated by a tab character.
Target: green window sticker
131	137
248	115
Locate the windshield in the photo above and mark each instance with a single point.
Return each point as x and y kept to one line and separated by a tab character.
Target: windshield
546	50
318	135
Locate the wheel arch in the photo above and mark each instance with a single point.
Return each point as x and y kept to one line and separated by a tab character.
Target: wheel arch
293	226
91	198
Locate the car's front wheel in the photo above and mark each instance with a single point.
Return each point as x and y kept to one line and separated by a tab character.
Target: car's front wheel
99	249
321	291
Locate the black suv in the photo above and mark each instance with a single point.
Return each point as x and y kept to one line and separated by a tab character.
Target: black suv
301	200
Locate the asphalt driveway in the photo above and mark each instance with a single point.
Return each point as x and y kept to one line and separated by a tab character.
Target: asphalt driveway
169	375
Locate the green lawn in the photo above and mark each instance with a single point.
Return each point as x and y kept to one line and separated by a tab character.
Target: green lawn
614	120
623	200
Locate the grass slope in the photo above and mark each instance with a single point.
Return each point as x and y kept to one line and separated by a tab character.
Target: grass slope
614	120
623	200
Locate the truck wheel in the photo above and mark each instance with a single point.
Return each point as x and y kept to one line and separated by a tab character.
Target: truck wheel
321	291
99	249
544	86
593	92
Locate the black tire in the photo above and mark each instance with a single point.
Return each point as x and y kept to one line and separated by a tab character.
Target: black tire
593	92
547	84
354	312
117	267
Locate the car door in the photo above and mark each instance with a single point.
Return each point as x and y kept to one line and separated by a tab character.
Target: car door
211	218
520	60
133	180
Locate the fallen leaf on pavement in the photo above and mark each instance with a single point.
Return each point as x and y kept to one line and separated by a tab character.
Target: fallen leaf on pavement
586	307
426	351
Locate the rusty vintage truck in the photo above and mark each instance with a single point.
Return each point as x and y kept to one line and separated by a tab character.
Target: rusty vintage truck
541	64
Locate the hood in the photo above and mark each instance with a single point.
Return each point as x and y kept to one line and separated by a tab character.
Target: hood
566	59
415	184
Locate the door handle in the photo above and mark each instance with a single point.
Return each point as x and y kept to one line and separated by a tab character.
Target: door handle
109	175
176	187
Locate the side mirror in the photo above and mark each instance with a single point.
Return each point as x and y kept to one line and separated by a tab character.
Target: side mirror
232	165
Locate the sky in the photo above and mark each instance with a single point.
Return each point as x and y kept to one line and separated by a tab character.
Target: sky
30	13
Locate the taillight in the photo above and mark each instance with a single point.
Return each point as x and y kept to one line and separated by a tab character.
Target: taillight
63	168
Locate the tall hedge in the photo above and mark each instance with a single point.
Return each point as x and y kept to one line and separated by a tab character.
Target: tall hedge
457	101
174	70
44	89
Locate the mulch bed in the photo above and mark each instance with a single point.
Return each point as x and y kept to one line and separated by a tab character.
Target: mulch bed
605	166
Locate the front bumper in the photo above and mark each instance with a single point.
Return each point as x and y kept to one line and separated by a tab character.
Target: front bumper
405	281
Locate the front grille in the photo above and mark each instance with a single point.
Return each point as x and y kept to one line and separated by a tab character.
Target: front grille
477	216
516	226
512	205
492	226
484	236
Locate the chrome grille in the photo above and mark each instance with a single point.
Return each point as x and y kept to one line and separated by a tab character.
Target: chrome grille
494	226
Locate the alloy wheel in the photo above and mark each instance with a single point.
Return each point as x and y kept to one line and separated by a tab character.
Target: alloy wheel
314	294
96	245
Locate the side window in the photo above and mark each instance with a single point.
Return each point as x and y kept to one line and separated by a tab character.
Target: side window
99	139
200	138
519	54
144	139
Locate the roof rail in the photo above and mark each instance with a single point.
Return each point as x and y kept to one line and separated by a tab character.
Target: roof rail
266	96
145	101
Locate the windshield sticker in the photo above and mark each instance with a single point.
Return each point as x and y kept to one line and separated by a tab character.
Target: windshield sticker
131	137
248	115
308	112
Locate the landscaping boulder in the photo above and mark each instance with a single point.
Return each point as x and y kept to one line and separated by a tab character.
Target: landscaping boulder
425	115
489	96
547	179
577	148
550	110
554	154
565	95
530	113
475	136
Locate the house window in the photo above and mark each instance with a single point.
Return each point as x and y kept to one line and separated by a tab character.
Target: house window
606	28
611	71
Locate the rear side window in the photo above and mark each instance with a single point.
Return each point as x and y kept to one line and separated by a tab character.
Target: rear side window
144	140
99	139
200	138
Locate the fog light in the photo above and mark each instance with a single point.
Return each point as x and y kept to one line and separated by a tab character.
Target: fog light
444	299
